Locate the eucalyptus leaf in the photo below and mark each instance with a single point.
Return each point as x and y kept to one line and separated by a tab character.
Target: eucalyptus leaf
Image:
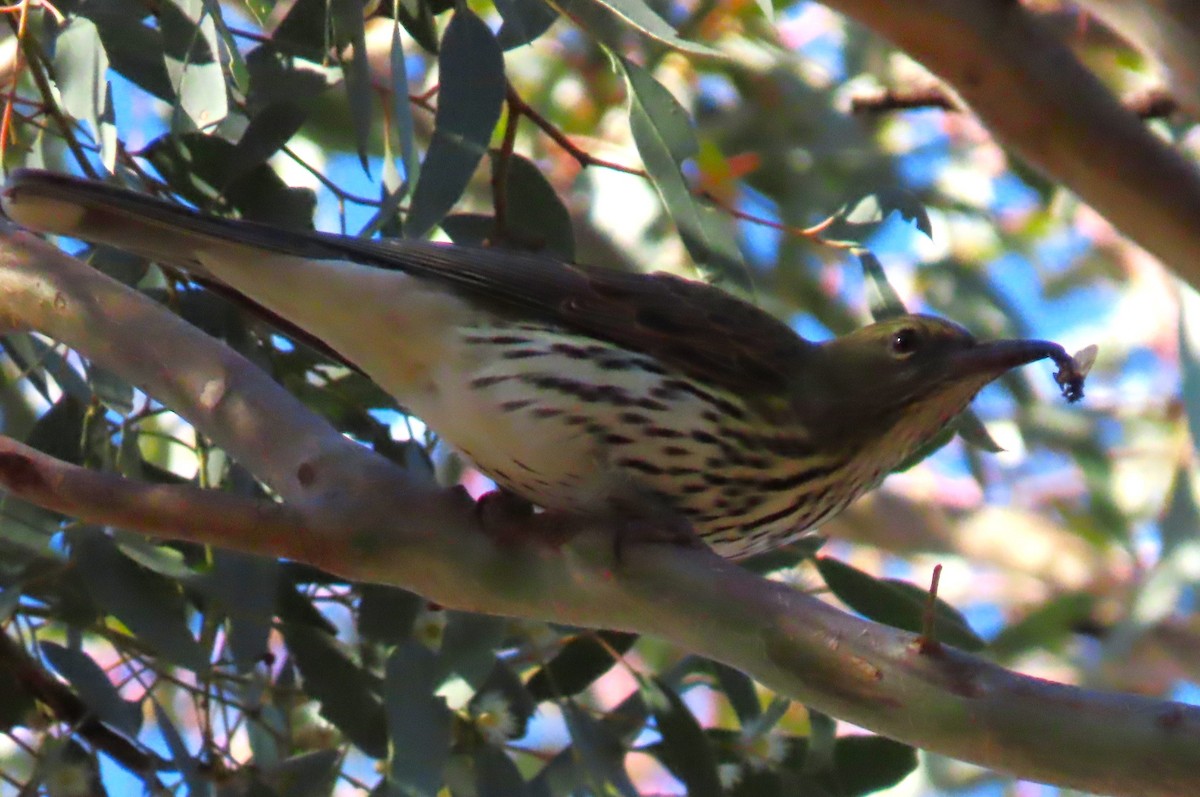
471	66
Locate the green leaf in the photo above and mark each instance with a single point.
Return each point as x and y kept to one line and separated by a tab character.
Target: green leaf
52	360
402	116
663	133
1045	628
94	688
638	15
866	764
245	588
269	129
524	21
739	690
578	664
685	749
496	775
191	58
150	605
1181	520
17	704
469	229
161	559
418	722
350	31
471	66
10	599
1189	358
187	765
346	692
896	603
972	430
386	614
81	72
536	218
599	751
199	168
110	388
872	210
469	646
417	17
882	298
59	432
312	774
135	51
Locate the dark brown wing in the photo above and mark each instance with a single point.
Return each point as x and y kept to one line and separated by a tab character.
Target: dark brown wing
693	327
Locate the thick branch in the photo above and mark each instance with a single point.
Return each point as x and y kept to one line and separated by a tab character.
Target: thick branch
371	523
1031	91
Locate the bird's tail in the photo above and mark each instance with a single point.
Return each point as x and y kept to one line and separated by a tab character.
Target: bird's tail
163	231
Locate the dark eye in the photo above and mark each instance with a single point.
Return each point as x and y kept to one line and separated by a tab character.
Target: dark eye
904	342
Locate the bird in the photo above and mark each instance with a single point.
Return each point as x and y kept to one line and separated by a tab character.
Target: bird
648	399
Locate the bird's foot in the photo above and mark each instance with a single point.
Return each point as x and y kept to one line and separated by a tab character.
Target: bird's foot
510	520
666	527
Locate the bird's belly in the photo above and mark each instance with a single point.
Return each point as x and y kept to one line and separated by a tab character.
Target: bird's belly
585	426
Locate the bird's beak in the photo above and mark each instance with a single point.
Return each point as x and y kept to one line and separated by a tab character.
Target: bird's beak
990	359
998	356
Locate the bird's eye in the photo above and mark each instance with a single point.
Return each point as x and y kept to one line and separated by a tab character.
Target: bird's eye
904	342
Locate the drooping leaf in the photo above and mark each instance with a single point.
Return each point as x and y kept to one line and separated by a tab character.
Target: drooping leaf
663	133
739	690
402	116
198	167
496	775
247	587
1046	627
684	749
578	664
896	603
134	50
469	645
600	753
471	66
386	614
524	21
350	31
536	218
638	15
1189	358
418	722
882	298
866	764
150	605
311	774
269	129
347	693
81	72
863	217
197	782
972	430
59	432
94	687
191	55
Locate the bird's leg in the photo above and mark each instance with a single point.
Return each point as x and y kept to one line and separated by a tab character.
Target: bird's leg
511	520
651	521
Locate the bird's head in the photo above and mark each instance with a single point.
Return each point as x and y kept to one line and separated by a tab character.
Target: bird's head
900	381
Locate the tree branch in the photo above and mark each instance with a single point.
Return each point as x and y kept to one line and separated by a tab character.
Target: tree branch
1035	95
359	515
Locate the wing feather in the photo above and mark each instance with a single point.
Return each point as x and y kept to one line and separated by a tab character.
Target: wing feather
696	328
